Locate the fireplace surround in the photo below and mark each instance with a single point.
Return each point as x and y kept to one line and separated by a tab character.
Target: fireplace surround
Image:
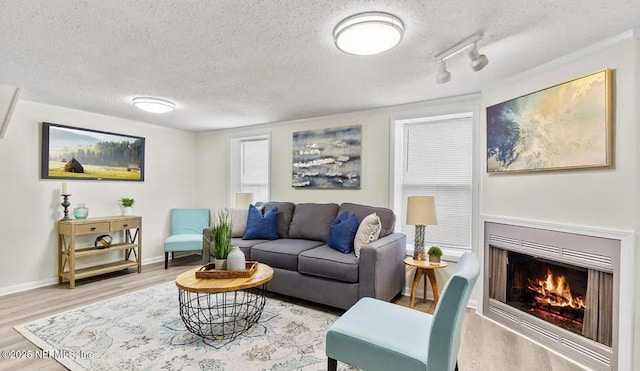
559	286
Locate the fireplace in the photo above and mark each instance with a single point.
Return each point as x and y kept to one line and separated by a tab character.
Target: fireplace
558	288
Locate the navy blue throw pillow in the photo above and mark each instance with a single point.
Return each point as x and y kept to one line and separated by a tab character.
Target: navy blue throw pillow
261	227
343	232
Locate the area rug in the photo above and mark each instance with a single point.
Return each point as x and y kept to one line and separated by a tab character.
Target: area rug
143	331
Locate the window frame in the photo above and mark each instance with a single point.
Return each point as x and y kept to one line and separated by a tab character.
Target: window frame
396	146
236	165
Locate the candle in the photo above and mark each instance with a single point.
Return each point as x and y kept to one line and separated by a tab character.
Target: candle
64	189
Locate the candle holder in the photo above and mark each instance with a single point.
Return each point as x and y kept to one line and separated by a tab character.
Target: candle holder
65	203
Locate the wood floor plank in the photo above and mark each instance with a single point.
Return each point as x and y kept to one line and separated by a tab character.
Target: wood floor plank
485	344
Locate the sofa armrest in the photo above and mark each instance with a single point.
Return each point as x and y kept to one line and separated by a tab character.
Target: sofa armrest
381	272
206	254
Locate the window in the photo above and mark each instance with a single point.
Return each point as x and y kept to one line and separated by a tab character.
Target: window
433	157
249	167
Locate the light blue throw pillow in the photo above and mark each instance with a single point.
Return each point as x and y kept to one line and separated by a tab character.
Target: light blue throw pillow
343	231
261	227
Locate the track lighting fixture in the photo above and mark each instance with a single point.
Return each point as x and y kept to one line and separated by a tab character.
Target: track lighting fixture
443	75
478	61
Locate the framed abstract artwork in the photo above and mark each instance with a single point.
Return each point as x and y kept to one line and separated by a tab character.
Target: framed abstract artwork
327	158
74	153
566	126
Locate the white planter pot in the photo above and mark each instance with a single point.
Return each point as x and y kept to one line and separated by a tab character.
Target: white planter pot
127	210
221	264
236	259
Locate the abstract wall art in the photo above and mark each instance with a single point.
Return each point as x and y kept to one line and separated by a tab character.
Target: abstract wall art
327	158
566	126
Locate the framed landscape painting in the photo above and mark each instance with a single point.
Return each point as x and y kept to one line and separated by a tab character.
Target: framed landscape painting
327	158
567	126
75	153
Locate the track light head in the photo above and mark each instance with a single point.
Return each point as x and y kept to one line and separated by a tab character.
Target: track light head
443	75
478	61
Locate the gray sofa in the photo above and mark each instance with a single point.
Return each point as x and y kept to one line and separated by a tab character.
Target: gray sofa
306	267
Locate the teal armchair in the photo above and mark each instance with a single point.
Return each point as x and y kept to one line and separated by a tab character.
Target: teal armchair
377	335
186	231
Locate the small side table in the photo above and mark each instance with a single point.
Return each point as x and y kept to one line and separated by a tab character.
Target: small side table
424	269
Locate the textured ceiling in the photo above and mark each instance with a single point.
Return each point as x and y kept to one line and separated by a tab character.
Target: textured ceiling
232	63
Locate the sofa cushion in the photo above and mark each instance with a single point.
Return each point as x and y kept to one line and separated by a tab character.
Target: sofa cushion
261	227
342	232
246	245
282	253
285	213
323	261
313	221
368	231
387	217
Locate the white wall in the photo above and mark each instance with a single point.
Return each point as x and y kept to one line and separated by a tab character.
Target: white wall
605	198
31	206
213	154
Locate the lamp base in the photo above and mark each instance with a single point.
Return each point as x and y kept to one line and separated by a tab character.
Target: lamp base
418	249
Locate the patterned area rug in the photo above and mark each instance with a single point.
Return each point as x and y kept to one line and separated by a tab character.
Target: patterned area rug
143	330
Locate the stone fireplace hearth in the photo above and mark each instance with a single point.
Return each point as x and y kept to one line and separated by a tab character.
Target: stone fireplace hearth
559	288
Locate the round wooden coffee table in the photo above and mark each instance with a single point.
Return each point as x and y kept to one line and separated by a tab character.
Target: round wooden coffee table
221	309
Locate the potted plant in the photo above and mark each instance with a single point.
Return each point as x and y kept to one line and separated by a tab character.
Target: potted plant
127	205
220	238
434	253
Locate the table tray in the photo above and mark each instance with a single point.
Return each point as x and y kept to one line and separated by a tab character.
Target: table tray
208	271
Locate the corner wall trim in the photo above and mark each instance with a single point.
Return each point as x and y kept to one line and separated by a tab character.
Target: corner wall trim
7	116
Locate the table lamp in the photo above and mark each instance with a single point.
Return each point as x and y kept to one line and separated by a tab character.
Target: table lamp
243	200
421	211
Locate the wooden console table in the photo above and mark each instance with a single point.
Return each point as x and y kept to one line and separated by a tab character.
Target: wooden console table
68	230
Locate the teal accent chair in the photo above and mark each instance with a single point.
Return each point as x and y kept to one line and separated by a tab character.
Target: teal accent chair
377	335
186	231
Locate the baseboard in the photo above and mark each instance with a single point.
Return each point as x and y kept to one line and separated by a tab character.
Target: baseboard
27	286
155	259
419	293
473	304
54	280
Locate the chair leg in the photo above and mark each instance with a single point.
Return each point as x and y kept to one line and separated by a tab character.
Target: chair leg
456	366
332	364
166	259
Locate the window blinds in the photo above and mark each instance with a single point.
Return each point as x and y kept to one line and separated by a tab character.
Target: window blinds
254	162
437	161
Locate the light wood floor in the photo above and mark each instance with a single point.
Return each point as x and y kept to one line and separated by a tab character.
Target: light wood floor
485	345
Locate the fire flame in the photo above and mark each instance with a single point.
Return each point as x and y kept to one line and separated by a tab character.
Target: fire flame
555	292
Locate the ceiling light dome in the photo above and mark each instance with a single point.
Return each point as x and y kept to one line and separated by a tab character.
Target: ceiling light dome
368	33
154	105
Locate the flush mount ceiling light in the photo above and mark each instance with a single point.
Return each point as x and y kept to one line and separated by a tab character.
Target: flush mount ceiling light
368	33
478	61
154	105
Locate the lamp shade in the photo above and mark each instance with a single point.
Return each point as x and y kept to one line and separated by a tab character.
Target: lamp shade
243	199
421	210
